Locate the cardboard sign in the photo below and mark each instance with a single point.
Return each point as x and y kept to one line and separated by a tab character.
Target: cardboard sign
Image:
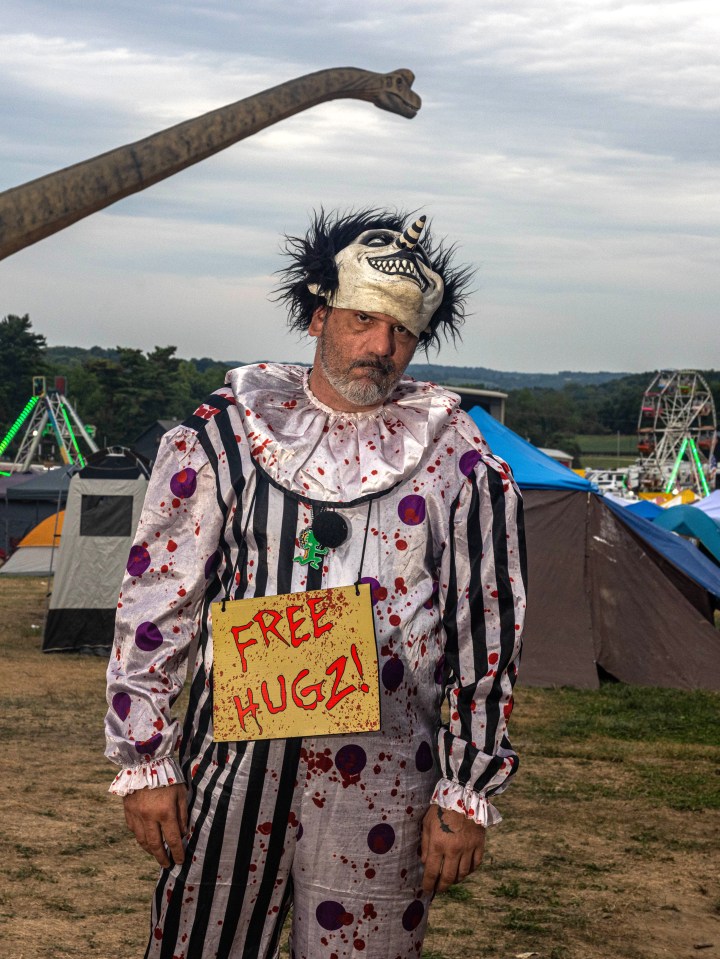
301	664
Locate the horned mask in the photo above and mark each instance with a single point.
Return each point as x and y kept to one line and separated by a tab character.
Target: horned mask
383	271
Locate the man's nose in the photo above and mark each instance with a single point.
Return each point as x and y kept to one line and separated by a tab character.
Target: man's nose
382	340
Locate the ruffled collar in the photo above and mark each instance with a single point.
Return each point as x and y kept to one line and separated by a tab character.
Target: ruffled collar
314	451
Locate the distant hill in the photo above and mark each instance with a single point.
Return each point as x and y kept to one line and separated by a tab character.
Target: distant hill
482	377
478	376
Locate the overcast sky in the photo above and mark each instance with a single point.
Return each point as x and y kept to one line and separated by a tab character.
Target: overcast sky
570	147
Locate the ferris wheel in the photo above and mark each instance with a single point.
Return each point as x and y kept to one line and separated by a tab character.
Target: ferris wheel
676	431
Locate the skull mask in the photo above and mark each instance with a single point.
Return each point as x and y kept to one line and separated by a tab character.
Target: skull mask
383	271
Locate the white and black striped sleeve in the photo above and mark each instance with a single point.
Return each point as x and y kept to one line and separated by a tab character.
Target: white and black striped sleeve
482	594
158	612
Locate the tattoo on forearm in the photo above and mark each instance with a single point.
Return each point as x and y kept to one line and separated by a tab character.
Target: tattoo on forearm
443	825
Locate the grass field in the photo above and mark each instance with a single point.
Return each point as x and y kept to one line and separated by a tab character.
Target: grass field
609	846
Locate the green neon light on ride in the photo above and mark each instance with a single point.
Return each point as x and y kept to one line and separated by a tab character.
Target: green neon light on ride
676	467
72	435
698	464
12	432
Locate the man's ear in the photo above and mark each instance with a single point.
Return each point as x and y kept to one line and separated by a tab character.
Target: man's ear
317	322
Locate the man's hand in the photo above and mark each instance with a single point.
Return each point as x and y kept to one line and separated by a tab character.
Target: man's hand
452	848
159	814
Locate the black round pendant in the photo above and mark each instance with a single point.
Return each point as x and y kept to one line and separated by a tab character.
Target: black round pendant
329	529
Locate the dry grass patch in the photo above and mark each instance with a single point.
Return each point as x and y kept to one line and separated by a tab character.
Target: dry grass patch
609	846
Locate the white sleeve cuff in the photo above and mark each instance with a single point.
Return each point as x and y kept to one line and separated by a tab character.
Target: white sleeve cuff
463	799
158	772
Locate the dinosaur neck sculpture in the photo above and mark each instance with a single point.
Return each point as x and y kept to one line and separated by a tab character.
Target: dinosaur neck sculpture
38	209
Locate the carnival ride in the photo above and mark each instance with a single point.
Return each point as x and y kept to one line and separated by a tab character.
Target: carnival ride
48	410
676	431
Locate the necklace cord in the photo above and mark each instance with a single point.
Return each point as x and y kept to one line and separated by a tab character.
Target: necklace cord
362	555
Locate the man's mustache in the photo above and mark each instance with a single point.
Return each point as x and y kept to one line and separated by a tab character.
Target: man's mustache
385	368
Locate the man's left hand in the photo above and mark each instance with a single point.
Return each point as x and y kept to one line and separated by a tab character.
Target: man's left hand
452	848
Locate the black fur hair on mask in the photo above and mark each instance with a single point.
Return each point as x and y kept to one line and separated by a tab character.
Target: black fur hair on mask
312	260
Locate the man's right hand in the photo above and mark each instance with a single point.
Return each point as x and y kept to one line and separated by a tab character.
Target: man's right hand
156	816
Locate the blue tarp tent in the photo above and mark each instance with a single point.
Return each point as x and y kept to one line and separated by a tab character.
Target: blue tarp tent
532	468
645	508
610	595
690	521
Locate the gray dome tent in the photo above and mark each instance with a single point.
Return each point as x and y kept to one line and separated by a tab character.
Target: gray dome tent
103	508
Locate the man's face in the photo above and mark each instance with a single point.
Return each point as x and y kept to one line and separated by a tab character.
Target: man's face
359	357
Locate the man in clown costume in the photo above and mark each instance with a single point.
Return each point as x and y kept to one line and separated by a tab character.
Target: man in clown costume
386	481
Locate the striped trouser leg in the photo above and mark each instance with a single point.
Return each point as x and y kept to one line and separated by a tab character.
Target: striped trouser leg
228	899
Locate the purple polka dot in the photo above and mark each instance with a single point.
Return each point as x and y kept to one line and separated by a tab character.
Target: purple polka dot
411	509
440	671
412	916
374	588
149	745
148	637
184	483
350	760
468	461
121	705
424	761
381	838
392	674
429	603
331	915
138	561
212	563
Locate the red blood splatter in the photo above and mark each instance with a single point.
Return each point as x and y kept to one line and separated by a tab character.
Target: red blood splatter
176	503
394	620
401	544
265	828
159	724
158	933
171	546
182	592
493	658
369	873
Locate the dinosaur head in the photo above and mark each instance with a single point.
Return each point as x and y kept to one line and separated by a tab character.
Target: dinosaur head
395	93
386	271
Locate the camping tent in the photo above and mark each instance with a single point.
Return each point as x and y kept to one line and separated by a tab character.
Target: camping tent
691	521
35	555
606	597
103	508
27	498
710	505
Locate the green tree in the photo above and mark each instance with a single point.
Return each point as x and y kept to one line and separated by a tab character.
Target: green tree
22	356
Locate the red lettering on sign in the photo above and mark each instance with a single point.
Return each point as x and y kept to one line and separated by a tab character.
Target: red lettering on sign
241	647
306	690
338	667
295	626
317	615
271	627
364	688
242	711
283	695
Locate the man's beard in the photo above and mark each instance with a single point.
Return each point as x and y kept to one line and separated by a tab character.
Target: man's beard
382	377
